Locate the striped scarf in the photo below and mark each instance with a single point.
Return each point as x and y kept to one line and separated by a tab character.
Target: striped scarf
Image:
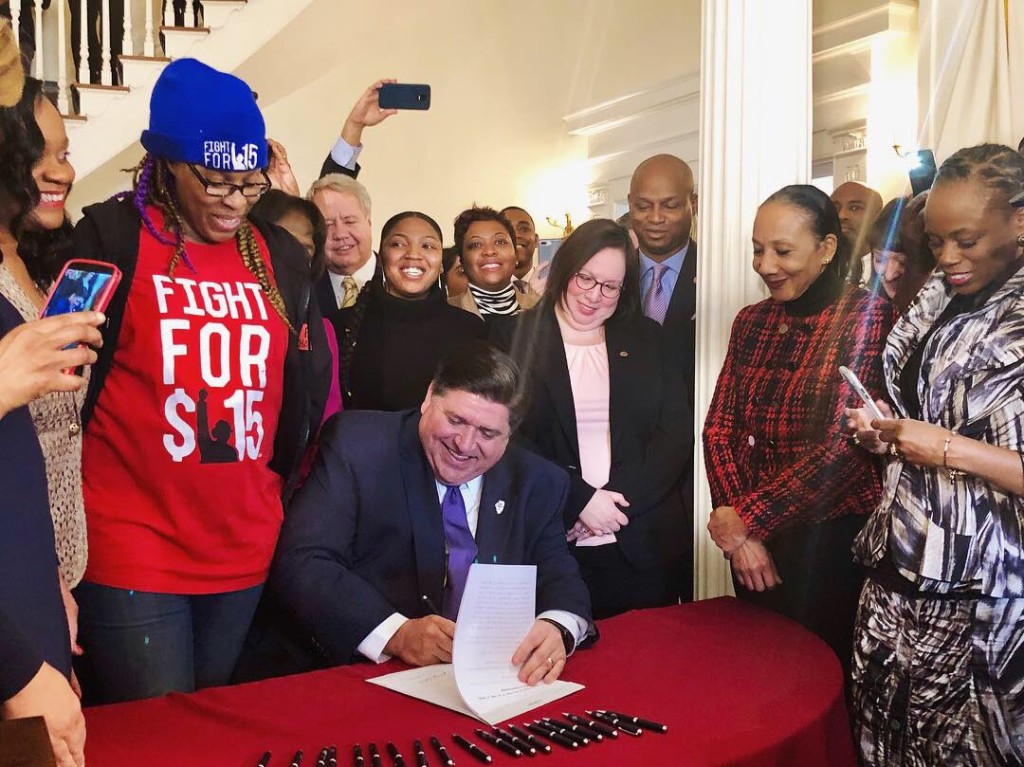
495	302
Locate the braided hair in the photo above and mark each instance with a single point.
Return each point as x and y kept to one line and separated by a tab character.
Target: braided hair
996	167
154	185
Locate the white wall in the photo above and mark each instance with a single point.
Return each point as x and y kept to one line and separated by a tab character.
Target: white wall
503	76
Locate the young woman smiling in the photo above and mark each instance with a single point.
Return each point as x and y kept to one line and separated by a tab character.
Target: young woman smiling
789	492
34	232
486	244
608	406
401	325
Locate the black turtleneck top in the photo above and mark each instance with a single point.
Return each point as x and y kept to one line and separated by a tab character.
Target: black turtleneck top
392	347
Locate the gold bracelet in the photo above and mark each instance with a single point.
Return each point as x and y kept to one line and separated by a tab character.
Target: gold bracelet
953	473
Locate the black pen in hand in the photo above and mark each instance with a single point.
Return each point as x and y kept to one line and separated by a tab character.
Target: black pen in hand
430	605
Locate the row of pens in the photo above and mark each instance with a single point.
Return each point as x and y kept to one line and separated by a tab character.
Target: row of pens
533	738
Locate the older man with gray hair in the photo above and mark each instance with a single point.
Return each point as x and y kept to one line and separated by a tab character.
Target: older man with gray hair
345	205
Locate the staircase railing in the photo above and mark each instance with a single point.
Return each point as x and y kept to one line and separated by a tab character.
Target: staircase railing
62	51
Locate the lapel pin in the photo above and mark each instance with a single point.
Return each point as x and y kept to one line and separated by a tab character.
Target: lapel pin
499	507
623	354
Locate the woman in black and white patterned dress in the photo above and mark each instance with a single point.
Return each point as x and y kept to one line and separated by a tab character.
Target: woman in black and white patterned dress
938	664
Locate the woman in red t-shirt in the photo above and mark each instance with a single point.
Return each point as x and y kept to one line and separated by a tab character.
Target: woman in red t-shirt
213	373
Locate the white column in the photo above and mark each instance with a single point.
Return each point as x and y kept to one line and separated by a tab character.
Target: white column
63	105
148	48
755	138
37	58
127	38
83	43
168	13
106	77
16	22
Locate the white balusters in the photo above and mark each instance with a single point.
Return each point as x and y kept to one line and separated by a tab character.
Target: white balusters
148	49
127	39
168	13
106	76
16	22
83	43
63	106
37	59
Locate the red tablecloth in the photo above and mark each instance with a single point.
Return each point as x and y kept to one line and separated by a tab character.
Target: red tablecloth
736	685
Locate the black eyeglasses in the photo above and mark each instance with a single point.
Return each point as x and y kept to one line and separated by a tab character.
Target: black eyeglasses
224	189
608	289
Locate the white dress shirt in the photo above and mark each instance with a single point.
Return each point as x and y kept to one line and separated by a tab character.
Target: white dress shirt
373	645
362	275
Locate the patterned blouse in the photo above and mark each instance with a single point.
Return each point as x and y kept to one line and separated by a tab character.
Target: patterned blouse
59	428
962	535
772	439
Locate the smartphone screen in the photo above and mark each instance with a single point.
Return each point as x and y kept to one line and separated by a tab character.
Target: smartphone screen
83	285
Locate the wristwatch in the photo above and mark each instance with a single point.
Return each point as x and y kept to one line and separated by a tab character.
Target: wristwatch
568	640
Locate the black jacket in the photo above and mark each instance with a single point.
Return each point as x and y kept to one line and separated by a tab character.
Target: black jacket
109	231
651	423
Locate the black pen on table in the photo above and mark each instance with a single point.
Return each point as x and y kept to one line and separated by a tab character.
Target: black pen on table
554	737
614	721
332	757
442	752
297	759
421	757
597	726
357	756
375	760
264	760
530	739
396	757
472	748
520	733
519	743
637	720
578	729
321	760
499	744
562	731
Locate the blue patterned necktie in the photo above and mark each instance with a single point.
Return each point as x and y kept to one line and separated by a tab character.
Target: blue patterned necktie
461	549
656	298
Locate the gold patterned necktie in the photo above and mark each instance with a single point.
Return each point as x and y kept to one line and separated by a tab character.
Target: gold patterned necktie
351	289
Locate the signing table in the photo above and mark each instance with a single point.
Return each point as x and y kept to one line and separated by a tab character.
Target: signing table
735	685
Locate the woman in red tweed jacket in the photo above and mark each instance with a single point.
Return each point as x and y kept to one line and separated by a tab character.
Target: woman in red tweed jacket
789	492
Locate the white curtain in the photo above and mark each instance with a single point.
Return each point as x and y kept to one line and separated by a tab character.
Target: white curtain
971	78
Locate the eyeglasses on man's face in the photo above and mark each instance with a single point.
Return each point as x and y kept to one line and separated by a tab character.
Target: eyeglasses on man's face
585	282
224	189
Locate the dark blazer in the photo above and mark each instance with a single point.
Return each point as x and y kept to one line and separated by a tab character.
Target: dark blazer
680	328
651	424
330	166
364	537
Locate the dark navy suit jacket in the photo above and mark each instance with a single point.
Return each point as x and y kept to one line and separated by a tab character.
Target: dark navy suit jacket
364	537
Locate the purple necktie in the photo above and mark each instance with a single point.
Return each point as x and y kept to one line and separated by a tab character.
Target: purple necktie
461	549
656	298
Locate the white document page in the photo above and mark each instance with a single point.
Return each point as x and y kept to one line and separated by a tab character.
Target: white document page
498	608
